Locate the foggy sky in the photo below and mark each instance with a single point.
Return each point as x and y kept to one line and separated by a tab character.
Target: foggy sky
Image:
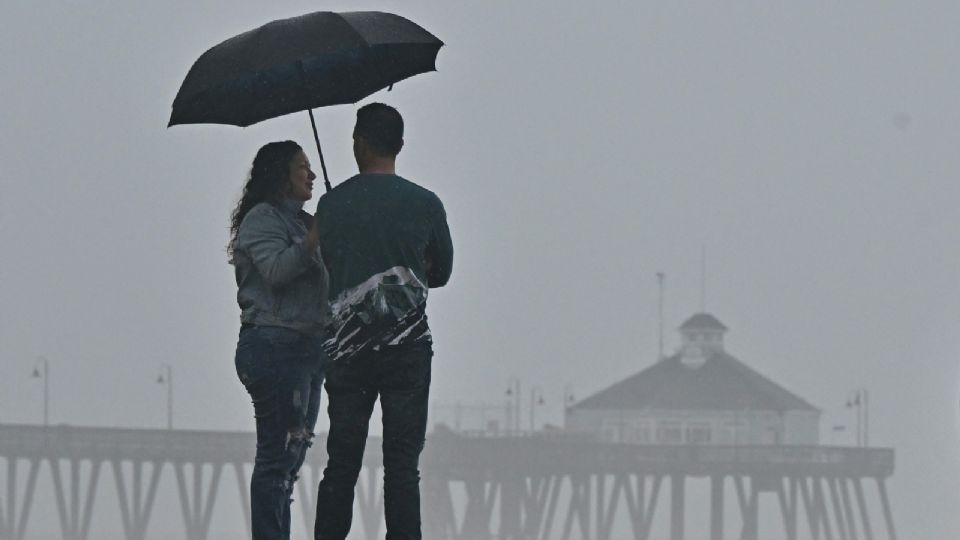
579	149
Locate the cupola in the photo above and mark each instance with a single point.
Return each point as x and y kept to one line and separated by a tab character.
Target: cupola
701	336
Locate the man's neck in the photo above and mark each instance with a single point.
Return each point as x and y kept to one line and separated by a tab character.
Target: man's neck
379	166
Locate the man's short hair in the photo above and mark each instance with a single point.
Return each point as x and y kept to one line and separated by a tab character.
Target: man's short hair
381	126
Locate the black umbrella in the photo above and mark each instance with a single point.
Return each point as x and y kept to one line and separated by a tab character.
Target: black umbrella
297	64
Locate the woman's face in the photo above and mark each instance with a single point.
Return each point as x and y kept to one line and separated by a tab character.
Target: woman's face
300	184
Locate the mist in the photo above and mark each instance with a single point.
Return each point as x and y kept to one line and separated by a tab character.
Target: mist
791	169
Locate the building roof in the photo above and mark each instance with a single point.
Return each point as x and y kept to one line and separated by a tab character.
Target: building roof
721	383
703	321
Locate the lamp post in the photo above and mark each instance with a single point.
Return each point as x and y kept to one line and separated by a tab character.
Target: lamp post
166	377
568	401
866	417
45	375
513	390
660	285
861	401
536	399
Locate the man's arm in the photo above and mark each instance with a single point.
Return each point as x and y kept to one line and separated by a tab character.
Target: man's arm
439	250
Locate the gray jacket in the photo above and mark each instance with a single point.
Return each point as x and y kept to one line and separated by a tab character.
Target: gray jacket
279	283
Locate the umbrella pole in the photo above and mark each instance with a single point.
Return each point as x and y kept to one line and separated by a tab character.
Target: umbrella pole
313	123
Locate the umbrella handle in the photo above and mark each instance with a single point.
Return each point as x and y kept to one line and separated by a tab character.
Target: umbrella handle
323	165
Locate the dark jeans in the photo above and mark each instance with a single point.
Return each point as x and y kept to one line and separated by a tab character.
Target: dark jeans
283	371
401	377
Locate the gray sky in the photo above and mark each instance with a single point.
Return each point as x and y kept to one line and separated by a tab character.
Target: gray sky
578	149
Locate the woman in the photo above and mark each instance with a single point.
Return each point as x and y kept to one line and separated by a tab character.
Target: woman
282	292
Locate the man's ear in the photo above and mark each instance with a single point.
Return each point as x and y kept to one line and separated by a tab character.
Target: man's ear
359	145
401	146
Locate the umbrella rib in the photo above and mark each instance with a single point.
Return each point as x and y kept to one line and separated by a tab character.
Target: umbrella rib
354	30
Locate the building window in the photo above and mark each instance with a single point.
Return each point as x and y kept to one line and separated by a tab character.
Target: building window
669	432
611	430
638	433
738	432
698	433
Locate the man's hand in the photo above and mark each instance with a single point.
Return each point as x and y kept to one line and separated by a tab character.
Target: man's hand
312	239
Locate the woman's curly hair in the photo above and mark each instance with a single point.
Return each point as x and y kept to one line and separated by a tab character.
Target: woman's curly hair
268	179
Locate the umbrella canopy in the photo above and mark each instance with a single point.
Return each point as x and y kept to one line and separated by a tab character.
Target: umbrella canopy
297	64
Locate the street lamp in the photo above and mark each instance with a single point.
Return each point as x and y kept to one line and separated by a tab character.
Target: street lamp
166	377
861	401
536	399
45	375
568	401
568	397
513	390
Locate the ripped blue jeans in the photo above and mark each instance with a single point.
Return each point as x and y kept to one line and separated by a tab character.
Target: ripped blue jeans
282	370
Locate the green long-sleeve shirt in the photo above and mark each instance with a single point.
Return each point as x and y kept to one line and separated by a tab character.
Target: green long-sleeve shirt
385	242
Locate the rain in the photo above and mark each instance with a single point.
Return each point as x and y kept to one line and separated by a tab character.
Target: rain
613	174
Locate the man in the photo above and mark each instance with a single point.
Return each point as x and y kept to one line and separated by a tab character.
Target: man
385	242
